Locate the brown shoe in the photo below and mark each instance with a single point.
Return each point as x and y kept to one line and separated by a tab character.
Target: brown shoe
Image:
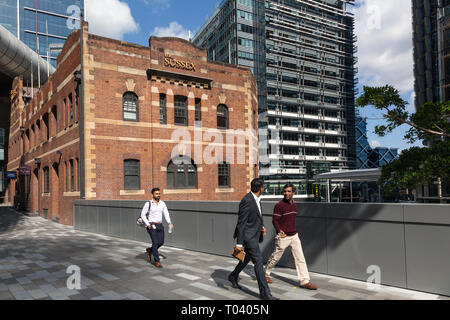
158	264
269	280
149	257
309	286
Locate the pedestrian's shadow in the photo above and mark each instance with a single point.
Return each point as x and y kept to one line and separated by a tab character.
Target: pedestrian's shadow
284	279
143	256
220	277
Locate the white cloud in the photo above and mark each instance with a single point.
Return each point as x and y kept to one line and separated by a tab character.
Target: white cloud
411	107
375	143
384	30
173	30
110	18
157	5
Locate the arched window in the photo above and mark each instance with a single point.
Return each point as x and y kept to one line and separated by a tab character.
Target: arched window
181	174
130	105
222	116
131	174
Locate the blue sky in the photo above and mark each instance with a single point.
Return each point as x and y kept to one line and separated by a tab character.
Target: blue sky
383	28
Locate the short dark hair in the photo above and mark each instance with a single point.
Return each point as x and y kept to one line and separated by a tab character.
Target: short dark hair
155	189
289	185
257	184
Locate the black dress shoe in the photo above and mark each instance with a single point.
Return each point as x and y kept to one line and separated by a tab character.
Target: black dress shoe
267	297
234	282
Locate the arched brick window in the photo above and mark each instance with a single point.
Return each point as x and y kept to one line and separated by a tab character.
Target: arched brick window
182	174
130	104
222	116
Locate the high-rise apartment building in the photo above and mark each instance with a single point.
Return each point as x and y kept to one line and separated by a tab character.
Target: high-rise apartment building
431	40
43	24
425	42
302	53
444	48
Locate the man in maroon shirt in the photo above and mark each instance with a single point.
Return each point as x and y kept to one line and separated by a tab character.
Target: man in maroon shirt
283	220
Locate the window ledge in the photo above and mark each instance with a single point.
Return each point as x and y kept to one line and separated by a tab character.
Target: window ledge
72	194
219	190
132	192
181	191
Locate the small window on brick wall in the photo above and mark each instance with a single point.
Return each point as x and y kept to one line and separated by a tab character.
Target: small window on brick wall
198	109
70	110
162	109
181	111
46	180
224	175
72	175
131	174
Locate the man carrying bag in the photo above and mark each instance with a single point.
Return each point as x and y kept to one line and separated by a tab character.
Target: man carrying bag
249	233
151	215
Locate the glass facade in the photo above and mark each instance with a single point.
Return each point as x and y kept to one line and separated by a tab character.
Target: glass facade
302	56
43	23
366	157
8	15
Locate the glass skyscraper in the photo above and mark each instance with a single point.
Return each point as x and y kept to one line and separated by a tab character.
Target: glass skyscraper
302	54
366	156
43	23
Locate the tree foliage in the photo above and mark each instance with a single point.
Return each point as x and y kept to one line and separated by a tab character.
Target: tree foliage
430	122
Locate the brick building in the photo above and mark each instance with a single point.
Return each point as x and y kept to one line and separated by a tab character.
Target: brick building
117	119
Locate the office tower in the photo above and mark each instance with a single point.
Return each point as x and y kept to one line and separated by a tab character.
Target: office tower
425	41
363	148
302	54
366	156
431	40
444	48
53	20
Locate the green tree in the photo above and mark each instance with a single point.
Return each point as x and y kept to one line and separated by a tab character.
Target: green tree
430	122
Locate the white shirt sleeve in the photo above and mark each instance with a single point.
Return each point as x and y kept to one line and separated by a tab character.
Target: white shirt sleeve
166	214
144	213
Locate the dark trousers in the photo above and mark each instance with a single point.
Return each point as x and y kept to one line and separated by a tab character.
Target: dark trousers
253	253
157	236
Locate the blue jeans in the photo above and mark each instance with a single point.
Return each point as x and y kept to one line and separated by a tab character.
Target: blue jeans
157	236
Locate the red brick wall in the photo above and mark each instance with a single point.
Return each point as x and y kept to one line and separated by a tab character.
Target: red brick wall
112	68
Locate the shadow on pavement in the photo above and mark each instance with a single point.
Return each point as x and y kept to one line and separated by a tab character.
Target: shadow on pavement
9	219
221	274
286	280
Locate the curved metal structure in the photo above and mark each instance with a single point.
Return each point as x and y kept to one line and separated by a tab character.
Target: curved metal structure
16	58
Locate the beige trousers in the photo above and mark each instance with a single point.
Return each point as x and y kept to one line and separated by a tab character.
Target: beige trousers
296	247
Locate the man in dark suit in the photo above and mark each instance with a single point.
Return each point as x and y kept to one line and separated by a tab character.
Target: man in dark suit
249	233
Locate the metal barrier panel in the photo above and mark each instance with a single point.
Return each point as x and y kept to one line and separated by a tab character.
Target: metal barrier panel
407	242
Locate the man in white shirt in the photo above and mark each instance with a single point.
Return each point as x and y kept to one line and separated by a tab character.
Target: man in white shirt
152	214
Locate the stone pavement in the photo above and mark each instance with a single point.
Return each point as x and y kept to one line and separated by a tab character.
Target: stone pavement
35	254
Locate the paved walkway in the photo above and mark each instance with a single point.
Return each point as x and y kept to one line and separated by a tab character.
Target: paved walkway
35	254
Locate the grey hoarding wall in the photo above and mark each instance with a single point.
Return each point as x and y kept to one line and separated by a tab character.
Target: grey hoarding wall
409	243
